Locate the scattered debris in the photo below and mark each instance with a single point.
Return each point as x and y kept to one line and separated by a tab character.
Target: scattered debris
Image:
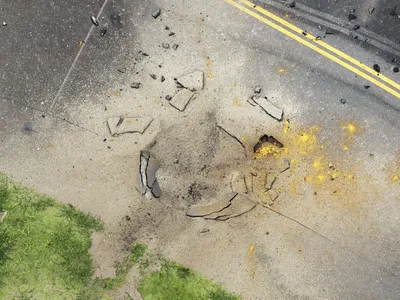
154	76
165	45
135	85
168	97
319	27
304	33
175	46
395	69
355	27
343	101
267	139
28	128
292	4
204	230
162	78
144	54
318	38
94	21
239	205
377	68
103	31
202	211
371	10
3	215
352	10
352	17
122	70
121	125
4	23
146	181
367	87
171	33
269	108
166	27
156	13
182	99
257	89
193	81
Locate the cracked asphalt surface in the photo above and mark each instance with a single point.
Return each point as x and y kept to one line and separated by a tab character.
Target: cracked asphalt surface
64	90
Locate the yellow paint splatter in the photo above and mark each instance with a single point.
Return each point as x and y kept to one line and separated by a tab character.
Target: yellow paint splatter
235	101
395	178
252	265
345	147
117	93
281	70
268	149
286	127
209	73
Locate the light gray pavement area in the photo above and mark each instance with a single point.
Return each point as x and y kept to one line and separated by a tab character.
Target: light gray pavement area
314	244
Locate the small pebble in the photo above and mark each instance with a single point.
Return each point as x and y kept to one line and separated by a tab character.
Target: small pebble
168	98
165	45
135	85
355	27
171	33
371	10
154	76
175	46
377	68
166	27
343	101
257	89
395	69
156	13
162	78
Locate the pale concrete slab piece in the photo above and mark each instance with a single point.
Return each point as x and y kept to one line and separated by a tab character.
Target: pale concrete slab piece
271	177
273	195
239	206
121	125
269	108
238	183
201	211
182	99
193	81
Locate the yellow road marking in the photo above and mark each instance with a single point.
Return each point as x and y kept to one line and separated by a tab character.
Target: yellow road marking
322	43
315	48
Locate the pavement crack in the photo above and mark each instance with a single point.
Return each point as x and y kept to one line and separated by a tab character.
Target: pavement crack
232	136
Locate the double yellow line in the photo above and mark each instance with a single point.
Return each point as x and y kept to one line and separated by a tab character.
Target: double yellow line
311	42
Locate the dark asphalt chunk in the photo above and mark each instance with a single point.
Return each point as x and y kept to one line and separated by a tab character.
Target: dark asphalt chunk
304	33
122	70
162	78
352	17
156	13
395	69
154	76
171	33
318	38
355	27
367	87
166	27
292	4
377	68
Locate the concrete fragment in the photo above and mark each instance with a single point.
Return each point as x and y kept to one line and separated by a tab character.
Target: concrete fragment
171	33
175	46
240	205
238	183
272	194
204	210
162	78
121	125
271	177
165	45
154	76
94	21
193	81
145	176
257	89
395	69
269	108
377	68
182	99
156	13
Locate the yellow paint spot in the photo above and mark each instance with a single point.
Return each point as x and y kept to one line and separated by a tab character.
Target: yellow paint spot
252	265
287	15
234	84
268	149
350	176
281	70
209	73
235	101
49	147
252	60
81	43
345	147
395	178
117	93
286	127
318	163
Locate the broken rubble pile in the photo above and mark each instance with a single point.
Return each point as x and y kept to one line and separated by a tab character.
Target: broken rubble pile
268	107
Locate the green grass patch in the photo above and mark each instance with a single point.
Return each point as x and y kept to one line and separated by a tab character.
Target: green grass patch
43	246
176	282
